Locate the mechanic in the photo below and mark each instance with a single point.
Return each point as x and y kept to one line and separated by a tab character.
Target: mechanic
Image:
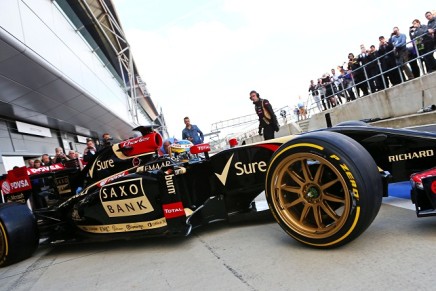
267	118
191	132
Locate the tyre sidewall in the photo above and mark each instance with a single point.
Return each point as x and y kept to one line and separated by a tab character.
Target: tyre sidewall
19	233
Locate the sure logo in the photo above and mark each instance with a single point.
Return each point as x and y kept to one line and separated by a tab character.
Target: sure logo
241	169
125	198
103	165
250	168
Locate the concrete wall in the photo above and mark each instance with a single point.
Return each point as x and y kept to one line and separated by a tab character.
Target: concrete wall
396	102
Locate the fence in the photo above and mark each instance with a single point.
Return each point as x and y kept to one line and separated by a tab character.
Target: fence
386	75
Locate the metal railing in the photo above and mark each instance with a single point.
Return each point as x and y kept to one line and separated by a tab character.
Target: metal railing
370	80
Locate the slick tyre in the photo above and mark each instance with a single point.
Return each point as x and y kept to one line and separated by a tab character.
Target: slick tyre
323	188
18	233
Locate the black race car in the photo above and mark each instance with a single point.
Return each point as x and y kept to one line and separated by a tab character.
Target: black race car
324	188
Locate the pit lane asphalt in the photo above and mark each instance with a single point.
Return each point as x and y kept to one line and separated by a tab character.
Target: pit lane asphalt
398	251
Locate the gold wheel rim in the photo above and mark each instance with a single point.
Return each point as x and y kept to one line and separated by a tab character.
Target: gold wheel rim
3	246
310	195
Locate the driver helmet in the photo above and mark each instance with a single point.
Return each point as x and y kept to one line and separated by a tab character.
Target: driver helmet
181	146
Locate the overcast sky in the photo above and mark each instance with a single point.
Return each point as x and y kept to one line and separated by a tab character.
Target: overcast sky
201	58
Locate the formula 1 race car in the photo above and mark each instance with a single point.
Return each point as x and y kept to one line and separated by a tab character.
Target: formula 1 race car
324	188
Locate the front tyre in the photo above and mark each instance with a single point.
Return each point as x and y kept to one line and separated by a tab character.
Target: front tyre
18	233
323	188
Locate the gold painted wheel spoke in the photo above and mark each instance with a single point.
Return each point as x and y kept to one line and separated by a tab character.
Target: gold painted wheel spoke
295	177
329	184
317	215
318	174
329	211
305	168
293	203
332	198
305	212
292	189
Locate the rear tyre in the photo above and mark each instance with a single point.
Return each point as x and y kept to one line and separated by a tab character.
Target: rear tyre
18	233
323	188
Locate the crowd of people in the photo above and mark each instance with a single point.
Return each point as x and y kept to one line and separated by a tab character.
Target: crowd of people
372	70
60	157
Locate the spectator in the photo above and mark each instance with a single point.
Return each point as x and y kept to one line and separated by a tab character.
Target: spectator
431	25
424	43
89	151
414	61
398	40
359	71
46	160
283	115
388	62
267	119
31	163
337	85
107	140
60	157
302	108
327	85
347	81
315	94
373	70
73	155
321	91
297	113
37	164
191	132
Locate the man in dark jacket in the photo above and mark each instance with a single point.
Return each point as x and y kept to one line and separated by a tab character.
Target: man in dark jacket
89	151
424	42
431	25
358	71
267	119
388	62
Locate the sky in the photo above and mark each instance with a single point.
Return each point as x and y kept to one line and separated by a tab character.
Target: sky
201	58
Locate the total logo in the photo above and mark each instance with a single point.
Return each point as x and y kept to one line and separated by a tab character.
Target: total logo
241	169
